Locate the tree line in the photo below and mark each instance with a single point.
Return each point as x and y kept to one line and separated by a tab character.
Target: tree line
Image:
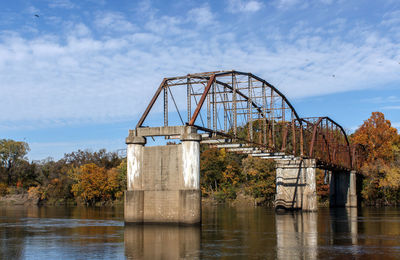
98	177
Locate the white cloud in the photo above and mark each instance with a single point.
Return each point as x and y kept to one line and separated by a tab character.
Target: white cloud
382	100
32	10
391	18
76	76
237	6
285	4
165	25
113	21
201	15
66	4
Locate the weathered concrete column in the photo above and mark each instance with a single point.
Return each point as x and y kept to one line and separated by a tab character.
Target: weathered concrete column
134	196
134	151
164	181
190	193
343	189
352	192
296	184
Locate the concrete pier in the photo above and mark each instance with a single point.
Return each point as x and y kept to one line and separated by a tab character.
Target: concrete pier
296	184
163	181
343	189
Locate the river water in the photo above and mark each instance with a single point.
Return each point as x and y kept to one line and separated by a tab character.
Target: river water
226	233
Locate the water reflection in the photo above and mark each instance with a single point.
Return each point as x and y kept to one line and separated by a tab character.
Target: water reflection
59	232
226	233
297	235
162	242
301	235
344	226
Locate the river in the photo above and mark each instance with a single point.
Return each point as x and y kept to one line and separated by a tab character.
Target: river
226	233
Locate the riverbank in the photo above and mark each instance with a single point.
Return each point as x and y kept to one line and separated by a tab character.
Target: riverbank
27	199
19	199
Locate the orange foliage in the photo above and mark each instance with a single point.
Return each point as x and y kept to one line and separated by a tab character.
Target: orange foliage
381	165
378	137
94	183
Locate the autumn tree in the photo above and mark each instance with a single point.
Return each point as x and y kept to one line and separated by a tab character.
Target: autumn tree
212	166
260	177
378	137
94	183
381	164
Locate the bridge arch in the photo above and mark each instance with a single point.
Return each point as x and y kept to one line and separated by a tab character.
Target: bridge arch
329	143
233	104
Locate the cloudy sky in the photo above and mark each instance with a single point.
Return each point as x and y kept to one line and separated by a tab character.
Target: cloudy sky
78	74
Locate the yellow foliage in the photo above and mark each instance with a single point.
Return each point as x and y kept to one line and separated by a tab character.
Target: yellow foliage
35	192
94	183
3	189
231	175
391	179
222	154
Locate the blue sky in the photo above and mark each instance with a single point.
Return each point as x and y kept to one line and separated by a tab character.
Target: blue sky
80	75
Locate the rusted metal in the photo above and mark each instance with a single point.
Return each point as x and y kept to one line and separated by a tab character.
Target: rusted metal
245	108
201	102
153	100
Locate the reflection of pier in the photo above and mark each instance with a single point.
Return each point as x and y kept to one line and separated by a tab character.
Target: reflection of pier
162	242
298	232
344	221
297	235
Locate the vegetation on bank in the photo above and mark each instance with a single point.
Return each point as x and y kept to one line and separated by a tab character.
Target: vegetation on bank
381	168
94	178
82	177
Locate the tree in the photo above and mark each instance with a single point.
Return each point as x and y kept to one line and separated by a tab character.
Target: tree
94	183
381	163
260	177
11	153
378	137
101	158
212	165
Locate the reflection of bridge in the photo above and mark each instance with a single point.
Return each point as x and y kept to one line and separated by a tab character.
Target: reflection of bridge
241	113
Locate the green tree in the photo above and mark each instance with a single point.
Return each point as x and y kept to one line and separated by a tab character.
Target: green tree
11	154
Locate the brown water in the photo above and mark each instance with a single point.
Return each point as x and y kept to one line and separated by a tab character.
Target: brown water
226	233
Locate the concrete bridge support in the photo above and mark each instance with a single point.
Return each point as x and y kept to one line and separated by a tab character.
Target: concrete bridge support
343	189
163	181
296	184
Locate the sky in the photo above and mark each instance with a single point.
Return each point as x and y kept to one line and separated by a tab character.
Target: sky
79	74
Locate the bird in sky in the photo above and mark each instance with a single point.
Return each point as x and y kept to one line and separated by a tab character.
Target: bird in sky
37	15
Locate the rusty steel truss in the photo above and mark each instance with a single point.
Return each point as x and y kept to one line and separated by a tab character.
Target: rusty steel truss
243	108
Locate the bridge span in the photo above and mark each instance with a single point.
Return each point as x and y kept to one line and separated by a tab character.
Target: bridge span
242	113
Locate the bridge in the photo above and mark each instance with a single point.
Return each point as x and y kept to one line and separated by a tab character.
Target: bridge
242	113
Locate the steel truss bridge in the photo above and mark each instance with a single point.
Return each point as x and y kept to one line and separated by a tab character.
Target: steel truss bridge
244	113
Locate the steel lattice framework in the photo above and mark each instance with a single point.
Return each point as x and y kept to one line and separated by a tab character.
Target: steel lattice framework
245	109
